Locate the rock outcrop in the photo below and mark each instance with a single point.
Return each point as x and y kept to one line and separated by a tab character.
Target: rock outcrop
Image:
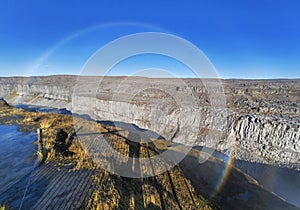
259	119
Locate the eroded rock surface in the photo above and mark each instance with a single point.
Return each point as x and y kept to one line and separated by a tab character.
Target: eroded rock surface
259	118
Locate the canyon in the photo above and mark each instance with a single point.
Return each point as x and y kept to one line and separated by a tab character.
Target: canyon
251	120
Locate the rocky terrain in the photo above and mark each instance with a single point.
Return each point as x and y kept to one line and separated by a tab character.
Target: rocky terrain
253	120
61	181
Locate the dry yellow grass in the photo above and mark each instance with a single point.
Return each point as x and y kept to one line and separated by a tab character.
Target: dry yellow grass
4	207
50	124
170	190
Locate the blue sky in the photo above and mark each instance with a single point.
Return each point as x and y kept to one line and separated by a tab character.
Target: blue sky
243	39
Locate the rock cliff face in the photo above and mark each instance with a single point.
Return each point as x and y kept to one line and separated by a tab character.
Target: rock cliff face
266	120
260	119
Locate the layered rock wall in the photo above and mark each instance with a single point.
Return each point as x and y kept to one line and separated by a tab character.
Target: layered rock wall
260	119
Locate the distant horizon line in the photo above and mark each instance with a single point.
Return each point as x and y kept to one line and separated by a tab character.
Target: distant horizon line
229	78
